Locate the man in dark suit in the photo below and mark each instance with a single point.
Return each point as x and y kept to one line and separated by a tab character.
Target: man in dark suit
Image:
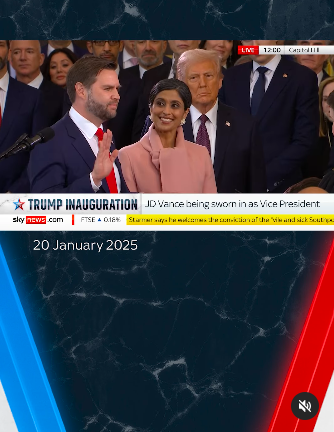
314	62
121	125
150	54
231	137
20	113
154	75
26	59
283	96
53	44
80	158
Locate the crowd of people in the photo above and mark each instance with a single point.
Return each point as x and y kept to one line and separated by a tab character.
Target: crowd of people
128	117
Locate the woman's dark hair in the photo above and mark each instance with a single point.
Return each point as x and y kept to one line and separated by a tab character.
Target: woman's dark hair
306	183
46	66
234	52
172	84
330	100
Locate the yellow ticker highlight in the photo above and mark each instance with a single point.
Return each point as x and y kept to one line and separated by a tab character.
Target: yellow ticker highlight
230	220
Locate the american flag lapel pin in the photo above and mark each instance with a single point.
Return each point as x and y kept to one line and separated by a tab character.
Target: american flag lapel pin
228	123
285	76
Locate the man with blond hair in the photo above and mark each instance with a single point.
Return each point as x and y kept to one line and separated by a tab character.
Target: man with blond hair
231	137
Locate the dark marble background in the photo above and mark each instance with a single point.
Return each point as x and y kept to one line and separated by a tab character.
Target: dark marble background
193	332
136	19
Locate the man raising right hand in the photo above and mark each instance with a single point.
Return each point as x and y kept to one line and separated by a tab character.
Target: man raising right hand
81	158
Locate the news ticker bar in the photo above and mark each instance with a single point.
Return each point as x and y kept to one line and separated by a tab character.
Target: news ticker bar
285	49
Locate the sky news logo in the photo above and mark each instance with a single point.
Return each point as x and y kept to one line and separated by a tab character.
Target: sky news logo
37	219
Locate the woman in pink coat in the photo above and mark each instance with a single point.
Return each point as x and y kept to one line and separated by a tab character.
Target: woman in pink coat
163	161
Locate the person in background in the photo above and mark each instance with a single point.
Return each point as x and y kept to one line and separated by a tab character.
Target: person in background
127	57
81	157
153	76
282	96
230	136
178	47
243	59
20	112
314	62
308	185
163	161
150	54
57	65
330	115
108	50
58	44
26	59
317	163
227	50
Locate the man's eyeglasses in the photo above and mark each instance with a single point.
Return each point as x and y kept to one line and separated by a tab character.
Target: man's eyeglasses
102	43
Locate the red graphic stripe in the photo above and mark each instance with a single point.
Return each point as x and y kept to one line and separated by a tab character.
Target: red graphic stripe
312	366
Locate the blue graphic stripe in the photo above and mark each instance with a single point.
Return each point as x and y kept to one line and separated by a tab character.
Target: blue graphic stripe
21	371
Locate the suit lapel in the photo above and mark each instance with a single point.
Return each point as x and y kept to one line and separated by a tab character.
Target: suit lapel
223	136
188	129
14	101
277	84
80	143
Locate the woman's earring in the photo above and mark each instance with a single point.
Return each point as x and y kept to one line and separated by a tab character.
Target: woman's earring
183	122
150	117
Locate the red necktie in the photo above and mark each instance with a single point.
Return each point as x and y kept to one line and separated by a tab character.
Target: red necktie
111	179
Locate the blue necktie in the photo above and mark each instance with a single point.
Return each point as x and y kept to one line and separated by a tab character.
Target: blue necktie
259	90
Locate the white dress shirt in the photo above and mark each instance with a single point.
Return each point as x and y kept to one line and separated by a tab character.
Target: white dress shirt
171	73
127	59
11	70
50	48
4	82
272	66
88	130
211	125
36	83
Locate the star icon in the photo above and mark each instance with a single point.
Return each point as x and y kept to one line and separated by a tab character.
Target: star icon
18	204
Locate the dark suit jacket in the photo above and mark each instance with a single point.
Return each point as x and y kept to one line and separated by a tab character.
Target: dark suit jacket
23	114
150	78
79	52
52	97
120	59
63	164
121	125
288	117
325	75
133	71
238	163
